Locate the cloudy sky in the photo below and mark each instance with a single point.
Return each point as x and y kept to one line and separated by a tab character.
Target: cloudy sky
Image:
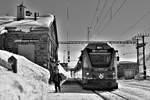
107	19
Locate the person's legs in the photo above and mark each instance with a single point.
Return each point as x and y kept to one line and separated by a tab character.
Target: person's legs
55	87
59	87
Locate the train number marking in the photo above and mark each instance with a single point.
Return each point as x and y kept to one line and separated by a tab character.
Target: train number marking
101	75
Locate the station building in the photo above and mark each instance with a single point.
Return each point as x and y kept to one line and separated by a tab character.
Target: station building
127	69
33	37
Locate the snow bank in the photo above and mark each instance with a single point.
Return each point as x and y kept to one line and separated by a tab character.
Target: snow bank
30	82
63	71
27	68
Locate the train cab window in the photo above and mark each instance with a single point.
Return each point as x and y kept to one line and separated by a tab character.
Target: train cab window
80	58
117	58
100	59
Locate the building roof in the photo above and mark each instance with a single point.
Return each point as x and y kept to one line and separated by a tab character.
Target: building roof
27	24
127	62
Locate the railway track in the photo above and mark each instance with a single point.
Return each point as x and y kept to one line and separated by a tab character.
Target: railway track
138	86
123	97
110	95
100	95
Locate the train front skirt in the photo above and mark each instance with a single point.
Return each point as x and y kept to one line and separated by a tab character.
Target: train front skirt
97	84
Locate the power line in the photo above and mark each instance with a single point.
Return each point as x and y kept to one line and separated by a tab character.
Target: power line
97	7
67	14
101	13
147	28
108	22
139	20
110	9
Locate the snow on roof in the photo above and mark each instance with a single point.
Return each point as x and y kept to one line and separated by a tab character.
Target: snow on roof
26	24
127	62
6	18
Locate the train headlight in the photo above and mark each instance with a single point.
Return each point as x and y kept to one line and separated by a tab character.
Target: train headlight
87	73
101	76
114	75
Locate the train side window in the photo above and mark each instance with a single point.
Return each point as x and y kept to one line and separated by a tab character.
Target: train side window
117	58
80	58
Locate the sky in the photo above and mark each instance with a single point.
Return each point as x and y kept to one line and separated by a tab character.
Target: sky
119	23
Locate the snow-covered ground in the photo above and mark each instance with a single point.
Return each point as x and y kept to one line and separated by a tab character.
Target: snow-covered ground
63	71
135	90
30	82
128	90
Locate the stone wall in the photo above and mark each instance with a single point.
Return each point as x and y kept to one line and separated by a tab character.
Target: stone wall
45	47
127	66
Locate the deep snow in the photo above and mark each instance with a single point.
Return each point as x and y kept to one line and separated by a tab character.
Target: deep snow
30	83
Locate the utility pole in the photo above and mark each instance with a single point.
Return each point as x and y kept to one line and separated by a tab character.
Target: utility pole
68	47
144	66
88	33
139	45
64	56
68	50
138	62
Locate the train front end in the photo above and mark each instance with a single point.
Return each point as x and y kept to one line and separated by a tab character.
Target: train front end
99	67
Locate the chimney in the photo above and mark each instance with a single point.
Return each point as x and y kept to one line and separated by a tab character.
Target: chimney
35	16
20	12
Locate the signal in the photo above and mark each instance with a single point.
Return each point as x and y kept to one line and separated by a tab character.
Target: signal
68	55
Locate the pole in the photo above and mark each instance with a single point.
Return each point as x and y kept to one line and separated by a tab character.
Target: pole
88	33
144	66
64	57
138	63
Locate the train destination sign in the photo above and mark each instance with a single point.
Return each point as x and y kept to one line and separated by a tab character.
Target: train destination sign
26	41
100	51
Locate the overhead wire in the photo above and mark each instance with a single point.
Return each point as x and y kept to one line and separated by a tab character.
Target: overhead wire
95	14
101	13
110	9
138	21
117	11
147	28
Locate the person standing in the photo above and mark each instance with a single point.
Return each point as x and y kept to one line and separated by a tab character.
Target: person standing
57	79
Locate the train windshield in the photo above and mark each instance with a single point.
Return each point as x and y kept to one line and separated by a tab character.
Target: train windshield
100	60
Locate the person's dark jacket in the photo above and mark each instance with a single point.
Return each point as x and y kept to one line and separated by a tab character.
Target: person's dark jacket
57	78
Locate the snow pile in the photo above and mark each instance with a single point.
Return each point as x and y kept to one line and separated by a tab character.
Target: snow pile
30	82
78	74
63	71
27	68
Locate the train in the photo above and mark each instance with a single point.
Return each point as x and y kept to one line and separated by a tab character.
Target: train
96	68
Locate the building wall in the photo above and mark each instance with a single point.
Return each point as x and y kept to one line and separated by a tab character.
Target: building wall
127	70
27	51
41	43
